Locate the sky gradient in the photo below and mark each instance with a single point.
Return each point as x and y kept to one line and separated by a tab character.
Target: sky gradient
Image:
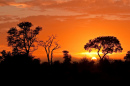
74	22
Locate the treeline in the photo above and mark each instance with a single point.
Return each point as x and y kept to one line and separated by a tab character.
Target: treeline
23	66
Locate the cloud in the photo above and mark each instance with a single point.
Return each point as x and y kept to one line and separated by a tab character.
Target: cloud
3	2
8	18
62	1
105	16
18	5
96	6
76	5
33	7
22	0
115	17
106	9
25	3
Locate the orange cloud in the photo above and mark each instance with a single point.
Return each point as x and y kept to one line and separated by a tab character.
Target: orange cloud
111	9
95	6
19	5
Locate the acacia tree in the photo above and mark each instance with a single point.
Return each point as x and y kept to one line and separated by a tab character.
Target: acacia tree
50	45
106	44
22	39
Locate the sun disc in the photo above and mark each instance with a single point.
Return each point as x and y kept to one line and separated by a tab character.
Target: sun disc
93	58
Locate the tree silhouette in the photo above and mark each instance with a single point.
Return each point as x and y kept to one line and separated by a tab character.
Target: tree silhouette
108	44
23	40
67	57
49	46
3	53
127	57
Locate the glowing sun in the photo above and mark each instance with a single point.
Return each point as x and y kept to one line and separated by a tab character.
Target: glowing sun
93	58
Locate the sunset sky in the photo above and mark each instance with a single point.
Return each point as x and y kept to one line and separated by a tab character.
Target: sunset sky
74	22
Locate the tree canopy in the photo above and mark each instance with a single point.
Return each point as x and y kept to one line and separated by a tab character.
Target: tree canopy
106	44
22	40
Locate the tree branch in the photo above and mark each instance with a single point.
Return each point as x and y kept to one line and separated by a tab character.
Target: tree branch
104	55
98	52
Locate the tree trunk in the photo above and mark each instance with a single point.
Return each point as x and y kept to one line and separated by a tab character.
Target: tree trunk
51	56
48	58
27	52
99	55
104	55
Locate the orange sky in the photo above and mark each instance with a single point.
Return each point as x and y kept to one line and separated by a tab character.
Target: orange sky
74	22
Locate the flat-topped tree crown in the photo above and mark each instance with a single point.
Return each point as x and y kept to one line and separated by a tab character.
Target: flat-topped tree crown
108	44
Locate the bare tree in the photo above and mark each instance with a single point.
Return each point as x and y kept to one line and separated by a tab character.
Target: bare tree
50	45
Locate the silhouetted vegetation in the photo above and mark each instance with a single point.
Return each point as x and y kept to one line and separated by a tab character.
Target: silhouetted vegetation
127	57
23	40
82	71
20	64
67	57
19	59
50	45
108	44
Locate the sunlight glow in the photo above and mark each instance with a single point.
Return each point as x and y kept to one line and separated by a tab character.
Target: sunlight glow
95	53
93	58
90	53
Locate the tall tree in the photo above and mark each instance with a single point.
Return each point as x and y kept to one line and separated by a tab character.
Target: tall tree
50	45
106	44
22	40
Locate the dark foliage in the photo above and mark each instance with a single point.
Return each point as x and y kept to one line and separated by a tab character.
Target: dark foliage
23	40
127	57
106	44
23	66
67	57
19	59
